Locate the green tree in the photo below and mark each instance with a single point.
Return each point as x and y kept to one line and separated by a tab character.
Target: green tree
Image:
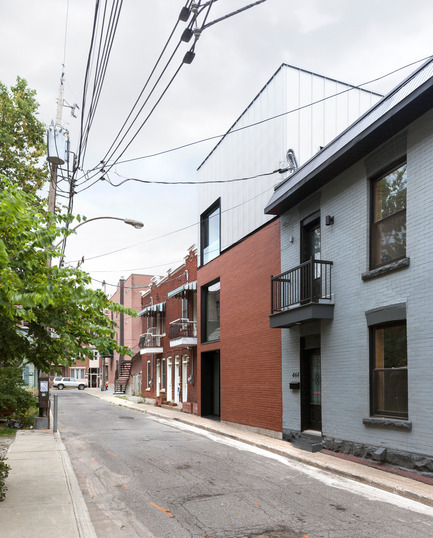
48	315
22	138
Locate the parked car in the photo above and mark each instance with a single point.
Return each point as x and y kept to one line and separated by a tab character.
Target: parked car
68	383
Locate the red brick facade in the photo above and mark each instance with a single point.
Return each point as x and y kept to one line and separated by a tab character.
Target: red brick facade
168	373
134	285
250	380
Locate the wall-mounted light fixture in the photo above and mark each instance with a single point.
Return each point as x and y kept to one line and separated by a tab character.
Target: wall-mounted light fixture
329	221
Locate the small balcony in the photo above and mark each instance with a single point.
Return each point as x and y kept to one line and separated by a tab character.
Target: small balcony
302	294
182	332
150	342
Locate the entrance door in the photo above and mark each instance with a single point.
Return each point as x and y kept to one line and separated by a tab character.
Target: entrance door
311	390
158	376
169	379
210	384
310	250
185	379
176	380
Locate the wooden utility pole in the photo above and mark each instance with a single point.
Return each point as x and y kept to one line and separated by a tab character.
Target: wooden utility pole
54	165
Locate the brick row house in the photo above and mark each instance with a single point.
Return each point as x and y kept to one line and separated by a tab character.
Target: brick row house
128	330
168	340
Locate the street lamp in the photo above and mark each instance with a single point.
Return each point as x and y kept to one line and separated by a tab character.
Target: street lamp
135	223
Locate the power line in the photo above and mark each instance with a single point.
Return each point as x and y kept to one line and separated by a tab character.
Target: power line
145	85
232	131
172	232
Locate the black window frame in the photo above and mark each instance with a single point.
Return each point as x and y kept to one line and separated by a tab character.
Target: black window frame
373	223
204	232
204	317
387	413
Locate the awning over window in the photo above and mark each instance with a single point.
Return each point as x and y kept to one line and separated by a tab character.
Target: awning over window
159	307
178	291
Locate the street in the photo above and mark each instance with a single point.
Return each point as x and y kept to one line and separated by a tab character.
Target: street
145	477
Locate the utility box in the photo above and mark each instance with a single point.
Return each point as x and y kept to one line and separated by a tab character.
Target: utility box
43	395
57	138
42	422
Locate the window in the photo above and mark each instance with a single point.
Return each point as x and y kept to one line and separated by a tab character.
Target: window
149	379
388	229
78	373
211	312
160	322
163	374
185	308
389	394
210	233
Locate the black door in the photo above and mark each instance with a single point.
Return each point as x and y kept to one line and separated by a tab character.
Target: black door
210	384
310	251
311	390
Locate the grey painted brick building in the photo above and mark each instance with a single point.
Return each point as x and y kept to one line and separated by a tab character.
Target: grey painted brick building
354	300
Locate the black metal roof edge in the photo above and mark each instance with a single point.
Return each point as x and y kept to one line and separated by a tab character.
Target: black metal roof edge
281	203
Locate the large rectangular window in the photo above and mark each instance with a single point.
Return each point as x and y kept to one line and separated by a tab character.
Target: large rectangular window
210	233
388	228
389	392
211	312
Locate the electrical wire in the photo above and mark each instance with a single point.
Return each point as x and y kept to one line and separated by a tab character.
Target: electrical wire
174	231
236	130
188	3
191	51
104	51
270	224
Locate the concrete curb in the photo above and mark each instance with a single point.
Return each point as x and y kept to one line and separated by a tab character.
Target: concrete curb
82	516
378	478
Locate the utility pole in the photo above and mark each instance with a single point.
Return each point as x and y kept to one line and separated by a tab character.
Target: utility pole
122	317
56	147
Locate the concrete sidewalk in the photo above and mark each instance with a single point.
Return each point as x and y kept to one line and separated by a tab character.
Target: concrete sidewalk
44	499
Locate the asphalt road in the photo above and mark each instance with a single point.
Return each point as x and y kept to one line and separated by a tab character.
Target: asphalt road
144	477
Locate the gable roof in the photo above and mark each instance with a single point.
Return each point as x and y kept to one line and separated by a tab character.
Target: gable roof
283	66
412	98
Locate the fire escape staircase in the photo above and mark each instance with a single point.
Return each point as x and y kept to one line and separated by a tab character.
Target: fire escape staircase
122	378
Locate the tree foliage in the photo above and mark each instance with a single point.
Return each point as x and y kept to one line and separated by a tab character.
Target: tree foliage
15	400
48	315
22	138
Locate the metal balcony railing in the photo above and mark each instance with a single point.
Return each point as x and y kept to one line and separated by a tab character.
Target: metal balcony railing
150	339
182	327
309	282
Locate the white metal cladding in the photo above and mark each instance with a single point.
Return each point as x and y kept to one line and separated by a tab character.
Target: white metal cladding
261	149
359	126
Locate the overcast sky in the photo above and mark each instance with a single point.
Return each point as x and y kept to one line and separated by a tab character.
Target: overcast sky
352	41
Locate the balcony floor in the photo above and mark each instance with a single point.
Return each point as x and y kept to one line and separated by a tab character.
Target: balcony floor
183	341
302	314
151	350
